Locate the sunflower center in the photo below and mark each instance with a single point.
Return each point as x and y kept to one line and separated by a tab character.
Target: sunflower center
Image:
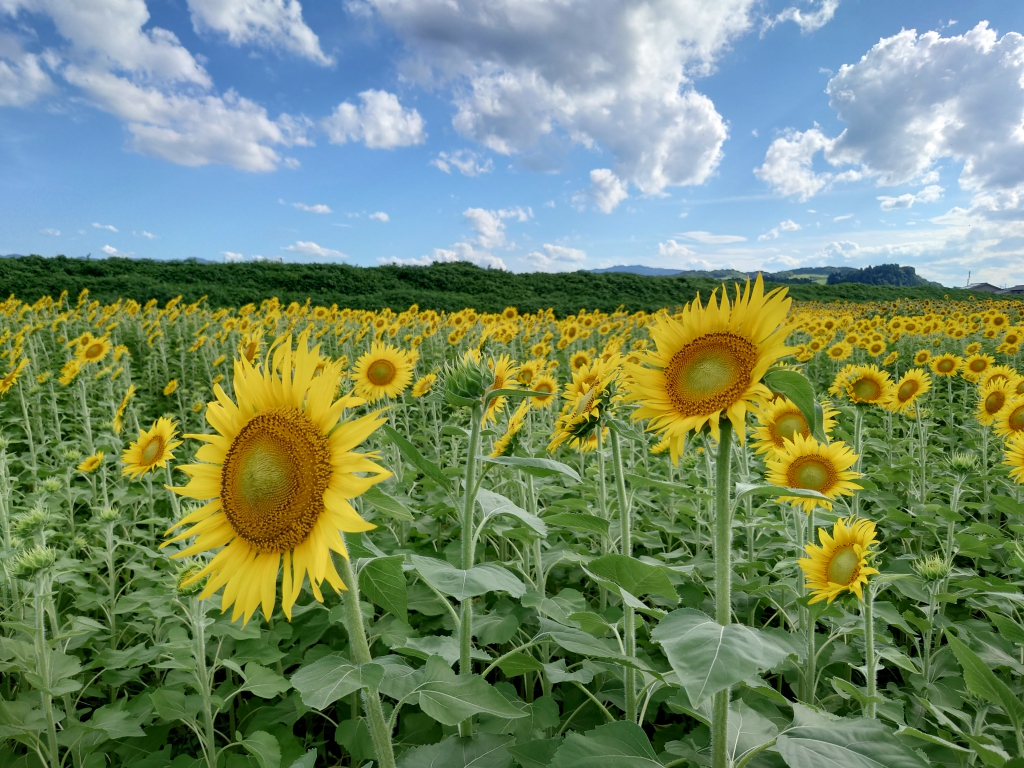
1016	419
994	402
844	566
945	366
710	373
866	389
907	390
526	375
153	450
790	424
273	479
93	351
812	473
381	372
977	366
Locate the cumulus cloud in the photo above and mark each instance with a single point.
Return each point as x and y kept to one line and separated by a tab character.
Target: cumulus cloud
465	161
788	164
50	232
673	250
232	257
145	234
606	191
709	239
317	208
535	78
308	248
267	23
112	251
808	21
380	216
458	252
929	194
108	227
490	225
380	122
555	255
22	79
784	226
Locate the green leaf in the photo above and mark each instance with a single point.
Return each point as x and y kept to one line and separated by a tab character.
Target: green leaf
859	743
748	729
939	742
116	723
519	664
709	657
798	391
264	748
557	673
451	698
634	576
487	750
580	523
463	584
984	684
747	489
535	754
512	393
308	760
412	454
613	745
386	504
990	754
1008	628
20	718
494	504
334	677
382	581
263	682
535	467
175	705
639	481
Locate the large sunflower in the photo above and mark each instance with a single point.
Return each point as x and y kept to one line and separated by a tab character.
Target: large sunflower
868	384
1010	420
384	371
946	364
277	479
841	562
709	362
781	420
1013	457
93	350
153	449
805	463
976	365
904	393
991	399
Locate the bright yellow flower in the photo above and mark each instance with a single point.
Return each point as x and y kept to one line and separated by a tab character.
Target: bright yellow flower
1010	420
94	351
153	448
384	371
1013	457
171	388
11	378
975	365
840	564
904	393
945	364
423	385
868	384
805	463
992	397
91	463
780	420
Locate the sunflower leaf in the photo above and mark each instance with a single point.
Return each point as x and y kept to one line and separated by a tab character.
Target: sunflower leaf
634	576
798	391
612	745
861	743
756	489
450	698
423	464
264	747
382	581
984	684
387	504
334	677
535	467
487	750
463	584
494	504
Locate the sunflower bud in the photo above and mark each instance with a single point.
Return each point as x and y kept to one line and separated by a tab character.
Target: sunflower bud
932	567
33	562
33	520
468	380
109	514
52	485
964	462
70	455
183	581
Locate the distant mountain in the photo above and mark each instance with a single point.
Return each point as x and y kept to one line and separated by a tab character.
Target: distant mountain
883	274
802	275
12	256
638	269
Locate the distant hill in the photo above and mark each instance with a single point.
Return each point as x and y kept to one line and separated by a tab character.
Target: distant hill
883	274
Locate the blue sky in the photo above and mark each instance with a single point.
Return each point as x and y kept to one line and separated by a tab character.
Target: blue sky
522	134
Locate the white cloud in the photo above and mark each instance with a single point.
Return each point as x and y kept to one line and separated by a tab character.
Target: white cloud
606	191
307	248
554	255
318	208
844	217
50	232
381	122
267	23
929	194
549	204
458	252
465	161
535	78
784	226
108	227
380	216
788	164
808	21
673	250
145	234
22	80
490	225
709	239
232	257
112	251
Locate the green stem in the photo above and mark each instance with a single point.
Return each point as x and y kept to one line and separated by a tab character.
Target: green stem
197	613
867	608
810	671
723	586
468	555
923	438
43	667
380	733
28	429
626	544
858	448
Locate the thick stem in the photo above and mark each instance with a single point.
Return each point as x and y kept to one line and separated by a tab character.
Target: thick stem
380	733
28	429
867	608
197	612
858	448
810	669
43	667
468	555
723	586
923	437
626	543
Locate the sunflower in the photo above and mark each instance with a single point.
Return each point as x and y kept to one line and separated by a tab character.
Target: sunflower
423	385
153	448
91	463
992	397
975	365
868	384
1010	420
904	393
805	463
528	372
171	388
839	351
277	479
999	373
11	378
841	562
578	360
384	371
945	364
69	371
544	383
587	398
922	357
781	420
504	371
891	358
973	348
1013	457
876	348
505	444
710	362
93	350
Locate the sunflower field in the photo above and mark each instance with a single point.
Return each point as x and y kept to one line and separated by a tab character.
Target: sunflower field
742	532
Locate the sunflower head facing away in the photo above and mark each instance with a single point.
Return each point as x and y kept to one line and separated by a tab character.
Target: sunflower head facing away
709	362
276	478
841	563
805	463
153	449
